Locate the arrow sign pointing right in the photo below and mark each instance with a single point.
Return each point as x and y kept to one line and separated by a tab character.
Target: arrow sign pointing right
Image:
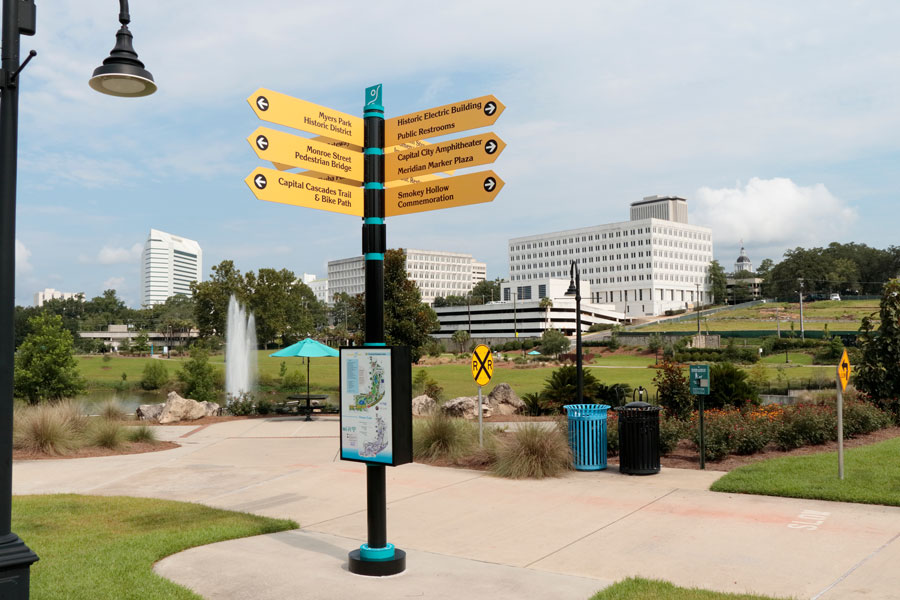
447	192
471	151
489	108
489	184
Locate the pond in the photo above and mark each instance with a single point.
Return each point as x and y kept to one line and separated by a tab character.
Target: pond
130	400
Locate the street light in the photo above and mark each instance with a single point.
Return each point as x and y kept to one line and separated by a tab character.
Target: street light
575	288
18	20
122	74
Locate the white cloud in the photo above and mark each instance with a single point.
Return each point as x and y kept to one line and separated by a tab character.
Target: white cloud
22	256
109	255
772	212
113	283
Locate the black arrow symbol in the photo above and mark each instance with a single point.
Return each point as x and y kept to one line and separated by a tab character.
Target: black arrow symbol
261	142
489	108
490	147
489	184
263	103
260	181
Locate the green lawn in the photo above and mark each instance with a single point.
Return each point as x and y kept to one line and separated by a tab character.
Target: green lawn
871	476
99	548
636	588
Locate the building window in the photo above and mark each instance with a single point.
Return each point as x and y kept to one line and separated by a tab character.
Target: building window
542	291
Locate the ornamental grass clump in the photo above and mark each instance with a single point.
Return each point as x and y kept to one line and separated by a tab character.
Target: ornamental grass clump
55	429
141	434
443	437
106	433
111	410
533	452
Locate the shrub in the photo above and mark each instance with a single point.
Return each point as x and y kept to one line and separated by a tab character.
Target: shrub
264	406
752	435
861	418
199	377
293	381
156	375
106	433
534	404
441	436
612	433
533	452
241	406
55	429
562	387
111	410
729	387
267	381
806	424
671	431
673	390
719	430
141	433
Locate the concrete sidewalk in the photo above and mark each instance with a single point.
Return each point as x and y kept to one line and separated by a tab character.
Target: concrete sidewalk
471	535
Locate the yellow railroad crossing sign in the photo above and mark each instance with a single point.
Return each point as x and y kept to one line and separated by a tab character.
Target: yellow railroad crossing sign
286	149
843	370
442	120
455	154
447	192
282	109
482	364
310	192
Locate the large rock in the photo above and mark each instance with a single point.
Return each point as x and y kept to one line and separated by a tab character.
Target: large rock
423	406
504	400
184	409
149	412
467	407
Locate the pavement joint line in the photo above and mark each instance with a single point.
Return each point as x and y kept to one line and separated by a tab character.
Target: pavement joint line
587	535
251	485
856	566
197	429
392	502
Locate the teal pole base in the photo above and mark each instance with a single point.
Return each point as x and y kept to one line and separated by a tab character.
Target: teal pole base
377	562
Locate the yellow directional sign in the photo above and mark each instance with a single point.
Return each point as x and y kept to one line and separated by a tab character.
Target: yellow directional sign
416	179
331	178
288	188
282	109
466	152
482	364
843	370
443	120
286	149
448	192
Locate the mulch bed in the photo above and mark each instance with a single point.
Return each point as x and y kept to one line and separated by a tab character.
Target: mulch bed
93	451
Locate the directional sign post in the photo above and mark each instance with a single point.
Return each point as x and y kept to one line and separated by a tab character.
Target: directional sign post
372	168
482	370
699	382
843	378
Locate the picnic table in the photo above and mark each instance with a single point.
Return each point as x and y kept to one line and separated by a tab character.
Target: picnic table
293	404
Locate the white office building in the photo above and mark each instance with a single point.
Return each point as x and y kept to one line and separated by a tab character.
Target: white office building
52	294
652	263
169	264
319	287
435	273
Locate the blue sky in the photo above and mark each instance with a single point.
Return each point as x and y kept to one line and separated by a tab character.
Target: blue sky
778	121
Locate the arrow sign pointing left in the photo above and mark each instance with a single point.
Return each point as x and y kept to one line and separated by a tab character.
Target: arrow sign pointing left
289	188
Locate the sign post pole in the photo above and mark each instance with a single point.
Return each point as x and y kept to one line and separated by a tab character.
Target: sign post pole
480	424
698	378
843	377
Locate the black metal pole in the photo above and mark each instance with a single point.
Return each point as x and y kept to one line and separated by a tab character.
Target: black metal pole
15	557
579	398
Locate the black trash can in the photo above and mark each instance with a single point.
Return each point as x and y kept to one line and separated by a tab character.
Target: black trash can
638	438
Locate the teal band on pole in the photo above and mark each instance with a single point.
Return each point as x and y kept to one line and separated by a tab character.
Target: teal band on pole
379	114
373	221
373	151
374	256
385	553
373	186
374	344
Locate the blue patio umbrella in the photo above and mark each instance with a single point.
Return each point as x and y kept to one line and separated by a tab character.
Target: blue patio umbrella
308	348
533	353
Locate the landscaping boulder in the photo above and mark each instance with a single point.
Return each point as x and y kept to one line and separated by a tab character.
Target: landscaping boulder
149	412
423	406
504	401
184	409
467	407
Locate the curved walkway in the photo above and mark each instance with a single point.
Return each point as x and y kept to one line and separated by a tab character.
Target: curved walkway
470	535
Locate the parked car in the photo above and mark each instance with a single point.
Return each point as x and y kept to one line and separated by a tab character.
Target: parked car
835	297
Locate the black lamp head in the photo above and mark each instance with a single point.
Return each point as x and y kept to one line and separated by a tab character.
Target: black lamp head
122	74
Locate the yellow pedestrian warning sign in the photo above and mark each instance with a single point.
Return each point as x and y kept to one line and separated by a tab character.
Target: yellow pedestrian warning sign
843	370
482	364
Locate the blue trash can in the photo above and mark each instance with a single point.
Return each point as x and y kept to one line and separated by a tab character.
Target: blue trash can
587	435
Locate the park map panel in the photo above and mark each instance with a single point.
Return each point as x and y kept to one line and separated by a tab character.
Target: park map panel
366	404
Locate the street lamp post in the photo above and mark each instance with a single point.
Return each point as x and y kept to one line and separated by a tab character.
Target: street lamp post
575	288
121	75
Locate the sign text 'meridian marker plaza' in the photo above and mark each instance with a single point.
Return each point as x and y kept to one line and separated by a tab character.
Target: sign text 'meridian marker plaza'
374	169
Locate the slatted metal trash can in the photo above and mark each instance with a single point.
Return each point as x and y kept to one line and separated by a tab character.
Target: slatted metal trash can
587	435
638	438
